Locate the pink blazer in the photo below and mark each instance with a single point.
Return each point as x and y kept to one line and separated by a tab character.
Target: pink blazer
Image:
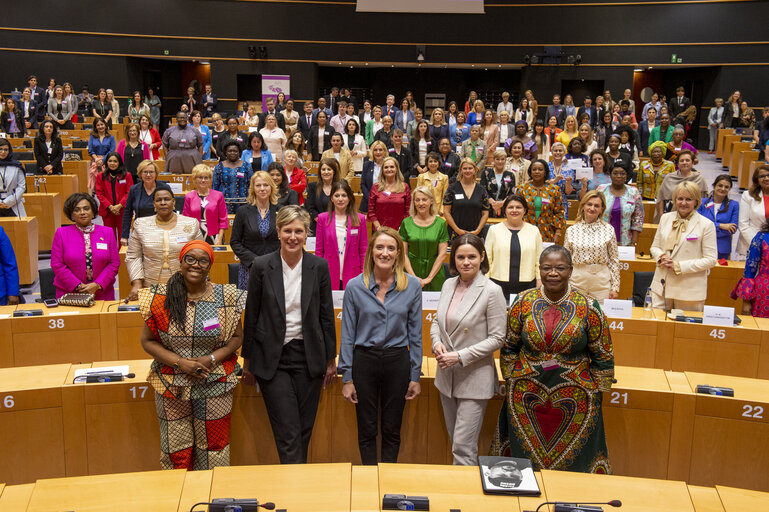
121	150
354	248
216	210
68	260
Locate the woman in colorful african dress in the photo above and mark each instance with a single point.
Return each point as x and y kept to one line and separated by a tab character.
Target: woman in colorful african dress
556	362
192	330
755	277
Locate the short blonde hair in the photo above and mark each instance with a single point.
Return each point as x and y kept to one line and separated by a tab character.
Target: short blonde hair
500	152
146	163
590	195
289	214
467	161
264	175
422	190
443	116
290	152
690	188
478	102
399	268
400	185
570	118
201	170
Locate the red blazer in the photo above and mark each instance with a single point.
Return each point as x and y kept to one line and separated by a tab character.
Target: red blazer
388	209
104	193
298	182
354	248
155	140
216	210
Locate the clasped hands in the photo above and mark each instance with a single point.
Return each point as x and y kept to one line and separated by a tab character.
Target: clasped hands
197	368
666	261
445	358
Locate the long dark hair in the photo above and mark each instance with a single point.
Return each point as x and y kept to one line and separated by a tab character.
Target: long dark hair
283	187
176	299
473	241
54	133
121	171
722	177
352	211
330	162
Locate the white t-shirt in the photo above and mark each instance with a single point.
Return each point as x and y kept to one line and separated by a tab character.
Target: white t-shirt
292	288
341	239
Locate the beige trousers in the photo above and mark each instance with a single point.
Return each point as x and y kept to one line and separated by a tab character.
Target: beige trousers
593	279
686	305
464	418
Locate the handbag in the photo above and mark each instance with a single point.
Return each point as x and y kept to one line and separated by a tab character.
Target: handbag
84	300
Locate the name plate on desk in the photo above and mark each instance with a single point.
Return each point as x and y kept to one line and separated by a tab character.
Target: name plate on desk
337	296
430	300
626	252
718	315
309	244
615	308
584	172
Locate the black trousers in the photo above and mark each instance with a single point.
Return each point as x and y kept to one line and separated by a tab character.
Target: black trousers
291	398
509	288
381	378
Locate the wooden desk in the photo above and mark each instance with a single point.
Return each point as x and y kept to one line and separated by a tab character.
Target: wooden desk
734	159
763	360
738	500
729	140
219	270
151	491
63	184
635	339
297	487
79	169
710	348
365	496
15	498
31	415
47	209
636	494
722	133
63	334
124	329
449	487
705	499
730	436
22	233
743	172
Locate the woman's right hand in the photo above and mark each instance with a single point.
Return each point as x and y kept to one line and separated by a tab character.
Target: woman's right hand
439	349
349	393
124	242
133	294
747	307
731	227
584	183
191	367
248	377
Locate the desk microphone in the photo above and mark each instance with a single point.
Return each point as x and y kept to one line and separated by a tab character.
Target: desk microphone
235	505
664	298
561	506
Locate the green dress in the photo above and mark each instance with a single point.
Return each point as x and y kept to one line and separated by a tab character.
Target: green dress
423	248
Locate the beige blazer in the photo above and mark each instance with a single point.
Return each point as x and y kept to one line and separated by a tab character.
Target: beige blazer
478	334
347	171
696	253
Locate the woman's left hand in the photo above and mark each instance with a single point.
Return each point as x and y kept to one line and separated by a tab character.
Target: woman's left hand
613	295
218	240
92	288
447	359
731	228
414	389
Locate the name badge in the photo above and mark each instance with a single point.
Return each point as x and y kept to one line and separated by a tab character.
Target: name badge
183	141
447	164
710	205
550	364
353	231
392	150
121	182
240	175
506	180
386	192
50	150
211	323
545	201
435	183
101	246
204	203
240	139
459	196
181	239
692	238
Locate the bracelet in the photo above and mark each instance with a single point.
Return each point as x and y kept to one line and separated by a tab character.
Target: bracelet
213	359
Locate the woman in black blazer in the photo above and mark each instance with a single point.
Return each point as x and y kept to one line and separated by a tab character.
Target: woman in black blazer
318	192
438	127
313	147
48	149
289	339
253	230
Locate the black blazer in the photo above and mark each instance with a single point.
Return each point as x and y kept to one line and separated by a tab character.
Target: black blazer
593	115
278	117
43	157
450	166
312	141
5	122
303	126
265	315
437	133
366	183
246	240
315	205
34	111
674	109
414	151
385	137
405	162
224	138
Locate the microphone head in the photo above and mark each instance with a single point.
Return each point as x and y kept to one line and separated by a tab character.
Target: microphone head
129	375
269	505
615	503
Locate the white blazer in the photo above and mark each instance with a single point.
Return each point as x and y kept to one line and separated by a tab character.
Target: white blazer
752	217
475	337
696	253
359	145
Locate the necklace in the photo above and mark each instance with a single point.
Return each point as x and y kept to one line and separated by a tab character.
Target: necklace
165	222
205	292
555	302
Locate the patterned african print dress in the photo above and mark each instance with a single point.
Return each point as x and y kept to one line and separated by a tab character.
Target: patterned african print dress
194	416
556	361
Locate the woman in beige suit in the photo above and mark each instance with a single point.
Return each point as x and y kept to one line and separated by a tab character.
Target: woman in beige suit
685	249
468	327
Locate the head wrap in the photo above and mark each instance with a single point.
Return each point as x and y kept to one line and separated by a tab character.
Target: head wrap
197	244
659	144
524	123
8	161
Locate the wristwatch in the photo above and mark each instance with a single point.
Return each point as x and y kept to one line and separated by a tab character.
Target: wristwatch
176	364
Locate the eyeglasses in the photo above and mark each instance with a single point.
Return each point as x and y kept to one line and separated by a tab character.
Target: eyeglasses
560	269
203	263
763	176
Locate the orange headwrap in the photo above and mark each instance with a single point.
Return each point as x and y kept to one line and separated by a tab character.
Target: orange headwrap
197	244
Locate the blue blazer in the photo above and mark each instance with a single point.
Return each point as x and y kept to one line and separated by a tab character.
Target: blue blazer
457	138
366	183
9	272
398	121
206	132
267	158
729	216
